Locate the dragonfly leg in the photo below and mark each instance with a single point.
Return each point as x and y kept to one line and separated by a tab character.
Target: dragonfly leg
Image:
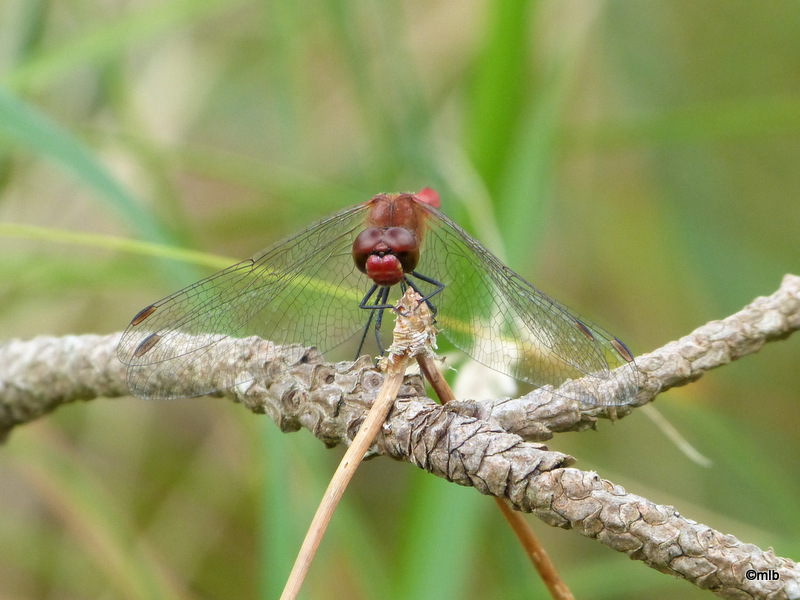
363	305
380	304
383	297
364	335
439	287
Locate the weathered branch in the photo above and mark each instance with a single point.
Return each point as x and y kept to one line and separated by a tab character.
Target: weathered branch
539	414
480	444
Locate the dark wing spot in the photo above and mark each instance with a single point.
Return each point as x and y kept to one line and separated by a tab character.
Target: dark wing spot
622	349
584	330
143	314
147	345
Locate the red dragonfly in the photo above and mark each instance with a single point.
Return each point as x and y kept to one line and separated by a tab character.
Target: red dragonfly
333	281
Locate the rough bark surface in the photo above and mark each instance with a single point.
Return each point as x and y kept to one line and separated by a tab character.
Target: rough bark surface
490	445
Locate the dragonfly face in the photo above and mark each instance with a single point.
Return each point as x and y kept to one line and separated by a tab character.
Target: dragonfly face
314	287
386	255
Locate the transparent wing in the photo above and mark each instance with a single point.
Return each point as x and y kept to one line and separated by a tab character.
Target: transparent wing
305	290
502	321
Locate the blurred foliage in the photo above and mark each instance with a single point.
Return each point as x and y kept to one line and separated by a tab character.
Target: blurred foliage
636	160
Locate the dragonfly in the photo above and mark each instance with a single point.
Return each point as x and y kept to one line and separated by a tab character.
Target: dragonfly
332	282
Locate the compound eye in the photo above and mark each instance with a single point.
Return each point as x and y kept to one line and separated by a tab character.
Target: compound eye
364	245
404	245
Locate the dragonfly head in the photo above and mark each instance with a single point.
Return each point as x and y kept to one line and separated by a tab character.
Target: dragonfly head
386	254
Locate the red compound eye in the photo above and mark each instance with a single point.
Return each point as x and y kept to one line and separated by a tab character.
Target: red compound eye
364	246
404	245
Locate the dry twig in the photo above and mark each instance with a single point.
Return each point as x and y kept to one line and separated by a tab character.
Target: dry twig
413	336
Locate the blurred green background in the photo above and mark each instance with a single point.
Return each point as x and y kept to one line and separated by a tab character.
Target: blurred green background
638	161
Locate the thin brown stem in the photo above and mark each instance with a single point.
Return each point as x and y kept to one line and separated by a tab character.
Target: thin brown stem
522	529
413	336
435	378
344	473
536	552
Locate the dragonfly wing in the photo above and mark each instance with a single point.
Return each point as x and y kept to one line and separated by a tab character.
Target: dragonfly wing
303	290
494	315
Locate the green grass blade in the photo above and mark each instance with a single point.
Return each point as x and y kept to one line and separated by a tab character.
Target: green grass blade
23	125
110	242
